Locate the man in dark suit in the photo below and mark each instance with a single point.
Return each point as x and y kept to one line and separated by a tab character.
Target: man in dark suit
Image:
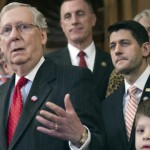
129	48
58	97
77	21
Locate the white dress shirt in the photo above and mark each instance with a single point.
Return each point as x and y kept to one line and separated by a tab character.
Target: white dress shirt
139	83
90	52
30	76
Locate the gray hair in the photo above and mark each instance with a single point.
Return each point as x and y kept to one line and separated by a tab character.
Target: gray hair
142	14
38	17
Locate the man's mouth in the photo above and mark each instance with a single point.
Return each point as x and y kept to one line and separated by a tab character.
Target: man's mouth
75	29
119	59
17	49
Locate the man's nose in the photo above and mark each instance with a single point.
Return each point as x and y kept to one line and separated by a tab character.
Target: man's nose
15	33
118	49
74	19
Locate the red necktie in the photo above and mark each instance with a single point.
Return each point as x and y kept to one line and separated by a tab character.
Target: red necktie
131	109
15	109
82	62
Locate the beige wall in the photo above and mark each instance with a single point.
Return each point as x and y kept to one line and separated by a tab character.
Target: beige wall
142	4
2	2
117	10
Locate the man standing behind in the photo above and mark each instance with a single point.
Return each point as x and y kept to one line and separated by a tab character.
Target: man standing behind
129	47
42	92
77	21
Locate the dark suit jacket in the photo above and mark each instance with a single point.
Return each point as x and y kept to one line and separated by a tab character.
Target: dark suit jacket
102	68
112	113
51	83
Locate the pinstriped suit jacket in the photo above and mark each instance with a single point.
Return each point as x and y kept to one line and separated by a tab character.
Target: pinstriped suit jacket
102	68
51	83
112	112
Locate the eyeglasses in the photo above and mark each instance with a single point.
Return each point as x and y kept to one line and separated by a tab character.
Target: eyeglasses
21	27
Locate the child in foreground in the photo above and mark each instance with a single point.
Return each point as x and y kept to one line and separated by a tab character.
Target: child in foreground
142	124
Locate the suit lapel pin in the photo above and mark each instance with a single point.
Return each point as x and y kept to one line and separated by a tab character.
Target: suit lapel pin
34	98
103	64
147	90
145	98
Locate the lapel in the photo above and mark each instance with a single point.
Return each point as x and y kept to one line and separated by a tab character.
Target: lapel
118	110
4	96
100	66
63	57
146	91
41	87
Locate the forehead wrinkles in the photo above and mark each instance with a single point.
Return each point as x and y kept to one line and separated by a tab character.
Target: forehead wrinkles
18	14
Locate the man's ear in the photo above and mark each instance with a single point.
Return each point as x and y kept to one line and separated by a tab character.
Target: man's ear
44	36
93	19
146	49
61	24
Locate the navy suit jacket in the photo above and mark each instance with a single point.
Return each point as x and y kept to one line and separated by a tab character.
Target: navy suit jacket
51	83
102	68
113	117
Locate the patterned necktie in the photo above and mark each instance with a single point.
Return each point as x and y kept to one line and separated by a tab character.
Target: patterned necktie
131	109
82	62
15	109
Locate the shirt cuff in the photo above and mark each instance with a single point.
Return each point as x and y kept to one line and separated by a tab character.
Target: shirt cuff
85	146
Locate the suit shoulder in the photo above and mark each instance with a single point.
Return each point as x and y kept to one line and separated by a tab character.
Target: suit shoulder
112	98
102	53
73	69
55	53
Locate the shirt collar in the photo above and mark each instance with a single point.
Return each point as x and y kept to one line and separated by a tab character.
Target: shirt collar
141	81
30	76
74	51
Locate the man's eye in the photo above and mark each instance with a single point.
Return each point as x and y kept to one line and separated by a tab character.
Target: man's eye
112	47
23	26
67	16
80	13
6	29
125	43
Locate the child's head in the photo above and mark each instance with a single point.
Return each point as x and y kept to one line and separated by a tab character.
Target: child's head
142	123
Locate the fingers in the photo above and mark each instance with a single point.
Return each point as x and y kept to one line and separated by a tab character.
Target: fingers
50	116
58	110
46	122
64	124
68	104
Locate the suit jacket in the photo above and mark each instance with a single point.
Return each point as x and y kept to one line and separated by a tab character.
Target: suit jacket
51	83
102	68
113	117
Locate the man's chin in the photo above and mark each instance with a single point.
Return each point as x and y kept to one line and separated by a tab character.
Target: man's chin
123	71
18	61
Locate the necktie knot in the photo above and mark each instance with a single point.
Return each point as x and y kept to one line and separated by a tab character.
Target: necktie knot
82	62
22	81
132	90
81	54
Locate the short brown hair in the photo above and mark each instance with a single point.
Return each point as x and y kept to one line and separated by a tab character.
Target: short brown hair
143	109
